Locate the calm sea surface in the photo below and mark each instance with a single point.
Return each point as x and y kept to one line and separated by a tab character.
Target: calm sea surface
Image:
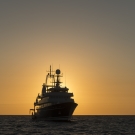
80	125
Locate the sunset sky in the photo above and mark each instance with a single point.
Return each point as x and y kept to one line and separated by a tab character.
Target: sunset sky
92	41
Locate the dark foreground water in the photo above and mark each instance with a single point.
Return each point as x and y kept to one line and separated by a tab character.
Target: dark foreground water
80	125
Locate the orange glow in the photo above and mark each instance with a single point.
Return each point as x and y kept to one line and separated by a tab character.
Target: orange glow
92	43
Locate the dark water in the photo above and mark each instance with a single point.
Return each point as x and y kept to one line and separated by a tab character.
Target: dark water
80	125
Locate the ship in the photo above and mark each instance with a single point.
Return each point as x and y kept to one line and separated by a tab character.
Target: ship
55	102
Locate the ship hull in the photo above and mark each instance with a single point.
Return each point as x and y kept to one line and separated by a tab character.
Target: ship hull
60	111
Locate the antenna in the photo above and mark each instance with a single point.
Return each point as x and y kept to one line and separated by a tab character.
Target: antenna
65	78
52	67
50	70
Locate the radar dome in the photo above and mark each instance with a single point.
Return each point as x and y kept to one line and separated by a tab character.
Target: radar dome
57	71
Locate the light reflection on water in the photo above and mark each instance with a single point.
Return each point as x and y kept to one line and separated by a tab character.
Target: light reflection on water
87	125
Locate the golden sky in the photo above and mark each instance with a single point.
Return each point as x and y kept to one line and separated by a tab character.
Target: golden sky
91	41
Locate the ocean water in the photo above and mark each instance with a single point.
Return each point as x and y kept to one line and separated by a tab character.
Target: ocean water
79	125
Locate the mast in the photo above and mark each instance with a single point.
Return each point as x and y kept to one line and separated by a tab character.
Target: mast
58	80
